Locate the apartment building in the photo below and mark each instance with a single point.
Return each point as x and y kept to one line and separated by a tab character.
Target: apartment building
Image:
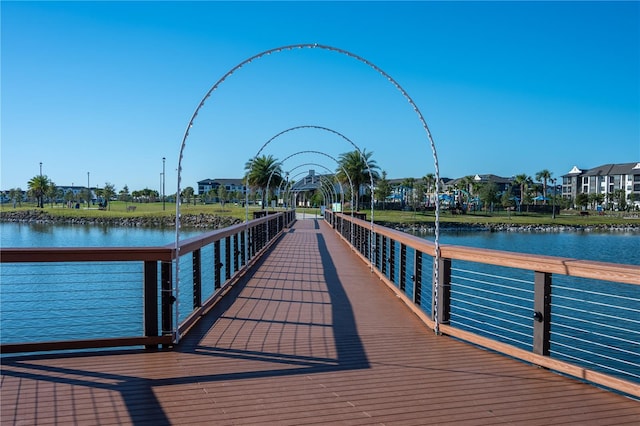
606	180
231	185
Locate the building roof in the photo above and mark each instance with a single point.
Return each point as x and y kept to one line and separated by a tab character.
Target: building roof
614	169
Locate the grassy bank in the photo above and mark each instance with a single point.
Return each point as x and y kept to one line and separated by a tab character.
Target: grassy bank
125	210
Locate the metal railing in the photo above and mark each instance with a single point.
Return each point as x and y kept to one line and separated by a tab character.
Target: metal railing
79	297
577	317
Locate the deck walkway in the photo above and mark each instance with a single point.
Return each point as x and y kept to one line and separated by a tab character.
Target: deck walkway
310	337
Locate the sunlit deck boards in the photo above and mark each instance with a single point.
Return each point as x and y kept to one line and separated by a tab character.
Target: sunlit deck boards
311	338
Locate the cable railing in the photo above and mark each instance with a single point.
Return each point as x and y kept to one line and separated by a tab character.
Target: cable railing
577	317
81	297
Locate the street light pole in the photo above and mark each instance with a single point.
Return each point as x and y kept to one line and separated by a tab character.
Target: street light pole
41	169
553	201
163	179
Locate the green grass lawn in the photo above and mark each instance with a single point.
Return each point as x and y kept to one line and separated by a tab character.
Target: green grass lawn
119	209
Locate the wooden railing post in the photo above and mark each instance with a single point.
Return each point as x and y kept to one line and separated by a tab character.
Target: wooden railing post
444	291
197	279
167	299
542	313
150	300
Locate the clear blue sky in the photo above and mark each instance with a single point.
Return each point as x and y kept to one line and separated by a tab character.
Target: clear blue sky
108	88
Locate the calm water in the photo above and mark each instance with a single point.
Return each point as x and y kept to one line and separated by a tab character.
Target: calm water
617	247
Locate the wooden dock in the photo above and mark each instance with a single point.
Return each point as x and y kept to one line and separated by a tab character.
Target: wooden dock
311	336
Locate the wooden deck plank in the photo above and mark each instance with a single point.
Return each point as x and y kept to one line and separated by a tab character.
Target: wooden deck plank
310	337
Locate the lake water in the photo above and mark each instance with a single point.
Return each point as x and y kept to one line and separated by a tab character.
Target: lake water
617	247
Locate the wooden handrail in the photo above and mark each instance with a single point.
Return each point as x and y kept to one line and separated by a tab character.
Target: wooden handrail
628	274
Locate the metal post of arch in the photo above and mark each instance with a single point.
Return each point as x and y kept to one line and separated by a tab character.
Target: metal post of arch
360	59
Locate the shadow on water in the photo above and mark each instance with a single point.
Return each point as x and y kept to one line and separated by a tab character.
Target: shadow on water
138	391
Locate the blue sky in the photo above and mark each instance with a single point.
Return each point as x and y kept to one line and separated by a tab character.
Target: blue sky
105	90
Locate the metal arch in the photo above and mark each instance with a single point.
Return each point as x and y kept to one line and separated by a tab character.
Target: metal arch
320	177
310	126
351	55
319	153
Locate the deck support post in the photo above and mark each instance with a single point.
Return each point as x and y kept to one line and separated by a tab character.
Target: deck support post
417	278
197	279
150	300
542	313
444	292
167	298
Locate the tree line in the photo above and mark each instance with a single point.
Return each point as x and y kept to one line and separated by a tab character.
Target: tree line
356	168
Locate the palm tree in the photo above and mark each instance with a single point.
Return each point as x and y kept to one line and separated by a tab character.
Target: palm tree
15	194
38	187
543	176
357	165
430	183
259	170
383	189
408	184
523	181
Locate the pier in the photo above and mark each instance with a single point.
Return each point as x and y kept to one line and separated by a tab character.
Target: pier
309	333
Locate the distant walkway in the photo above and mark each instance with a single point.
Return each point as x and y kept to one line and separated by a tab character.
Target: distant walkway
309	337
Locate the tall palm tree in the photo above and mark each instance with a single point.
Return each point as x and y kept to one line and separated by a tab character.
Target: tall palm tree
544	176
523	181
355	164
429	182
38	187
408	184
259	169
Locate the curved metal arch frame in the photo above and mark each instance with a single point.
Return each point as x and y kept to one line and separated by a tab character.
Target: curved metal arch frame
360	59
310	126
319	153
324	167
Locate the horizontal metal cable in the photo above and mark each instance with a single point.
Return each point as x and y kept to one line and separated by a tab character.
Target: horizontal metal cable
493	325
483	331
459	285
593	342
589	362
491	275
493	284
582	302
598	314
596	293
625	330
597	354
486	307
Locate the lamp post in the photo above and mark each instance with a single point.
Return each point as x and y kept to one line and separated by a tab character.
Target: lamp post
163	179
553	200
41	169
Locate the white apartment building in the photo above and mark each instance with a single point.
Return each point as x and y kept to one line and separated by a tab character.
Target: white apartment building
606	180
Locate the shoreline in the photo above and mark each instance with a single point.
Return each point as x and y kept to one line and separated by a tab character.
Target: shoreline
211	221
198	221
424	229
